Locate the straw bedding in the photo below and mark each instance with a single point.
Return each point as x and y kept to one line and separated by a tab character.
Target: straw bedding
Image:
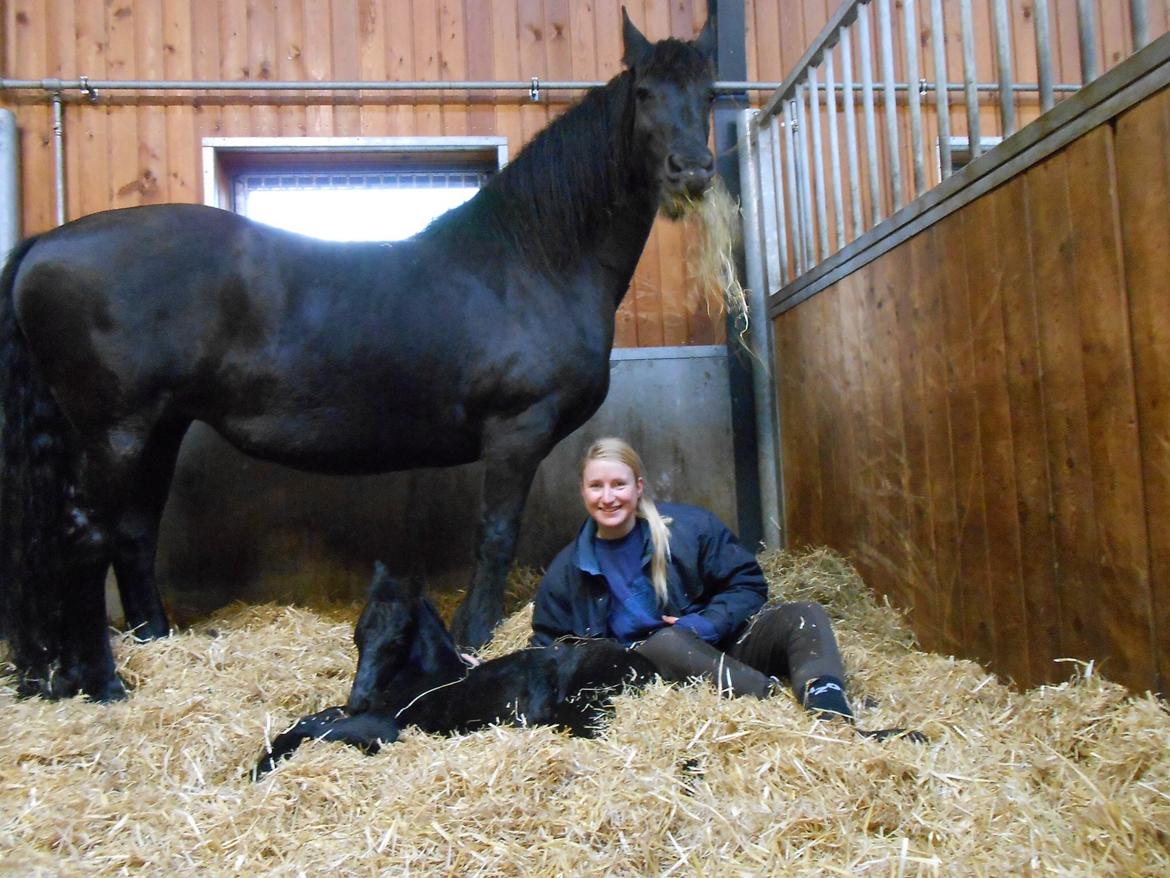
1065	780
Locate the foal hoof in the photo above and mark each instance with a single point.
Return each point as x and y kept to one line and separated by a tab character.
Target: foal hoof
107	691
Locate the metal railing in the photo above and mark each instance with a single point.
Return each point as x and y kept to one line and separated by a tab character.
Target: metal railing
880	109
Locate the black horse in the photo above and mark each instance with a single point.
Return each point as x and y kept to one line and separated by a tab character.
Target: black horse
485	337
410	673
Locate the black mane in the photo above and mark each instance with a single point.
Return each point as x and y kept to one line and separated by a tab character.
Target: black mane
558	193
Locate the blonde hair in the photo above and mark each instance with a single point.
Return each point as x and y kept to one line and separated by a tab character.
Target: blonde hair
619	451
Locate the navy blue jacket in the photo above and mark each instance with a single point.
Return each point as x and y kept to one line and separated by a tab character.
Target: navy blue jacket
709	573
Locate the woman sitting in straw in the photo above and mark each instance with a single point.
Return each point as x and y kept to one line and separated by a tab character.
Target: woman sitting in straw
674	583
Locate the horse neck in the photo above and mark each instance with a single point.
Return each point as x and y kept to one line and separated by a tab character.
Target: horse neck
575	200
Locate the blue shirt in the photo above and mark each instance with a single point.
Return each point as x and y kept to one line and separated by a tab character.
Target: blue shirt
633	613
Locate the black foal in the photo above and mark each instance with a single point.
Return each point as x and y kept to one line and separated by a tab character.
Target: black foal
410	673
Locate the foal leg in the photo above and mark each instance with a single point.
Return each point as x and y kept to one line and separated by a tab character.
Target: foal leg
136	536
513	450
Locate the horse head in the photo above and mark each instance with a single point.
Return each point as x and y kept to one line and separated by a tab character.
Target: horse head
400	640
672	84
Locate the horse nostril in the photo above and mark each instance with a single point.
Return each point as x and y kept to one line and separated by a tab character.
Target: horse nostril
674	165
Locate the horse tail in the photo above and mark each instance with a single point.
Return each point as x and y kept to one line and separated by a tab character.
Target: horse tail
34	484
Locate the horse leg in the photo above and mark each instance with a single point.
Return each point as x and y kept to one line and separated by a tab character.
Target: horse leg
136	535
106	465
513	450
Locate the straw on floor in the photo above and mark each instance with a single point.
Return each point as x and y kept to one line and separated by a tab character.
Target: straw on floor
1062	780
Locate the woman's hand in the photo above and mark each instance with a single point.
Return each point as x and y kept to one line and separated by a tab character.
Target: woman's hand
670	620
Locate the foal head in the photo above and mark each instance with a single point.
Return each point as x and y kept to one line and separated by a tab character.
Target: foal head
400	640
673	88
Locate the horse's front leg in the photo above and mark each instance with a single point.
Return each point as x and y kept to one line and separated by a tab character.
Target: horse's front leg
515	450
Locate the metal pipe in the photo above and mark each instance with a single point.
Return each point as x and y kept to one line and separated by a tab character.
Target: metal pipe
775	133
9	182
875	198
88	86
793	192
761	149
1003	63
967	32
1087	32
759	326
1139	23
804	171
942	101
58	159
886	42
834	150
916	151
818	165
1043	54
851	131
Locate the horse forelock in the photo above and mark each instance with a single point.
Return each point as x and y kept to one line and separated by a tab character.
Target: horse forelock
677	61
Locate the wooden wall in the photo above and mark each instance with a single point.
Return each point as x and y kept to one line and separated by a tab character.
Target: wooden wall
133	149
981	417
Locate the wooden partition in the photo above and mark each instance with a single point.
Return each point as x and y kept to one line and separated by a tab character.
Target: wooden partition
980	418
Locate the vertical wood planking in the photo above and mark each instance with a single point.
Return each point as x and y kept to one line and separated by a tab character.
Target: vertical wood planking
183	159
400	61
480	41
1143	180
316	50
530	33
1066	427
262	65
233	35
62	63
152	122
1038	590
372	61
1111	414
346	65
453	65
987	289
978	623
29	36
124	182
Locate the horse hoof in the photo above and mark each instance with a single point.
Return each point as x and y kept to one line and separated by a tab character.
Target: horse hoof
147	631
914	737
107	691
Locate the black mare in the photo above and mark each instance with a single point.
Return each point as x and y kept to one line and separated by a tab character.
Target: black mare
485	337
410	673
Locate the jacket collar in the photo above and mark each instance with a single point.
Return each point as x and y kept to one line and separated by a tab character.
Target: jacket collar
587	557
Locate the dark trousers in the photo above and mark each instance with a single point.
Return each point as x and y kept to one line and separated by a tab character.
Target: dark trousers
793	640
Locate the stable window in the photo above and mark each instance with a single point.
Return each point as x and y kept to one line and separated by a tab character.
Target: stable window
348	189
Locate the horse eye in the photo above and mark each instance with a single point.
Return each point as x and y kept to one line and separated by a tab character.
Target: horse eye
643	93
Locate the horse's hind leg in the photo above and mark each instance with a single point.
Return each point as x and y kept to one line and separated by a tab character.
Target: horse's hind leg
135	542
107	466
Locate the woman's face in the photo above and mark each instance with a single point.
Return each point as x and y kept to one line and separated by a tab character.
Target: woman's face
611	495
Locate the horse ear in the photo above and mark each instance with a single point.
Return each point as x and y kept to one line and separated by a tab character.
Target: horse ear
634	45
706	42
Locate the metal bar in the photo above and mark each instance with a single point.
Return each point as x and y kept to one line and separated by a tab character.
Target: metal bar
58	159
910	21
1043	54
763	382
9	181
1139	23
886	37
875	196
834	149
851	130
793	191
1003	62
1087	34
804	171
765	188
843	16
776	133
89	86
941	100
967	29
818	163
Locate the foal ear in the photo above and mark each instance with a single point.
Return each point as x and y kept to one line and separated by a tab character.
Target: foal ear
634	46
706	42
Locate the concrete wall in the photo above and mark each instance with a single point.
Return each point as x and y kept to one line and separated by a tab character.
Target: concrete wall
241	528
